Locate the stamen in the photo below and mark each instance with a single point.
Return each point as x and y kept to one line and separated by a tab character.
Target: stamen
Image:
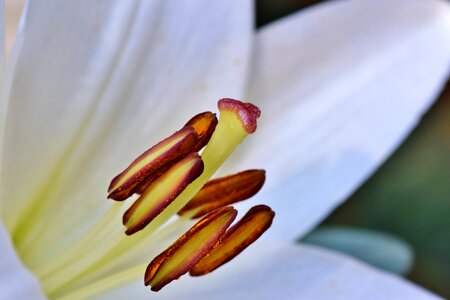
224	191
189	249
167	176
204	125
171	149
162	192
257	220
231	130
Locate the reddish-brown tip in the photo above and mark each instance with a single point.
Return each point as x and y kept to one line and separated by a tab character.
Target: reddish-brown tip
247	113
204	125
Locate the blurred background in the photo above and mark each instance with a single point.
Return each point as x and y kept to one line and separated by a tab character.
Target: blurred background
399	219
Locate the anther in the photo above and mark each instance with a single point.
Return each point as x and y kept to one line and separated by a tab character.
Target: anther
204	125
162	192
189	249
224	191
171	149
241	235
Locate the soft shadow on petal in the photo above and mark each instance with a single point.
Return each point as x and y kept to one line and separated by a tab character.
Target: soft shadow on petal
379	249
15	280
96	83
287	272
340	85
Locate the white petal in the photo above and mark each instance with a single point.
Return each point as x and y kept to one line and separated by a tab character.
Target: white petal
16	282
96	83
3	100
2	33
340	86
286	272
10	13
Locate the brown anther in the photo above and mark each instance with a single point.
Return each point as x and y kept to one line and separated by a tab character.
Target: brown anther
143	185
257	220
189	249
161	192
165	152
225	191
204	125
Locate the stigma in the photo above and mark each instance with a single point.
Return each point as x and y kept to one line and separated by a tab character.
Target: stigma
173	178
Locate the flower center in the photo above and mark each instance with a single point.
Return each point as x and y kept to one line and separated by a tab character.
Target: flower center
173	188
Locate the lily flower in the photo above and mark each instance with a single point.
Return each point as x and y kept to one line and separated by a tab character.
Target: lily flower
90	85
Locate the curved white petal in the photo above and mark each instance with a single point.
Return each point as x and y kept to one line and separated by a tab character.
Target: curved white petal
16	282
285	272
340	85
95	83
